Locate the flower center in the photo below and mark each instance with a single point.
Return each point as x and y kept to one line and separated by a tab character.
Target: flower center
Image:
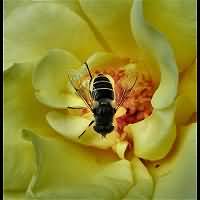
138	102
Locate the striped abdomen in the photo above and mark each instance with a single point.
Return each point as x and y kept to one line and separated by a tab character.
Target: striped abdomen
102	88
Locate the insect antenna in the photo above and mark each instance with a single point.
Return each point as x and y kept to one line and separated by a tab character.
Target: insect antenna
88	70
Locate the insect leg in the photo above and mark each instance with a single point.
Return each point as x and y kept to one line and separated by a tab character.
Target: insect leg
86	128
69	107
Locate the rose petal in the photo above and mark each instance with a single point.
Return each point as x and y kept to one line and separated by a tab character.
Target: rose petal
14	196
21	109
180	182
120	148
67	170
111	20
50	80
153	137
71	4
18	164
155	45
177	20
65	124
30	31
187	95
143	188
11	5
72	127
103	60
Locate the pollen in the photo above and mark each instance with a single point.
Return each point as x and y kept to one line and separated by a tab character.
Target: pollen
138	102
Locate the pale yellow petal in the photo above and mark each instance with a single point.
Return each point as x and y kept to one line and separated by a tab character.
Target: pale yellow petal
180	181
18	166
120	148
11	5
51	81
104	60
14	196
71	4
156	46
144	186
67	170
21	110
30	31
154	136
177	20
112	22
187	99
71	127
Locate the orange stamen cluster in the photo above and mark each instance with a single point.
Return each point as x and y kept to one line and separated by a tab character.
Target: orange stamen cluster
138	103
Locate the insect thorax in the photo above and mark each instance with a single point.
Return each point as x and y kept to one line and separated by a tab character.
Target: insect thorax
102	88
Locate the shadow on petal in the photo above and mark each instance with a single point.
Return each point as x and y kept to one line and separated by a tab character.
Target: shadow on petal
69	170
187	95
180	181
143	183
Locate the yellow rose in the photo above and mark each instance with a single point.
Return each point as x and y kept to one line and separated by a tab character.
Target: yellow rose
151	153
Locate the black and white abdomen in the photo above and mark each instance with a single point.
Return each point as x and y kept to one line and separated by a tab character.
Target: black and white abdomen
102	88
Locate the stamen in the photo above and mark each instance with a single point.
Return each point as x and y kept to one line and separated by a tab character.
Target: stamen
138	103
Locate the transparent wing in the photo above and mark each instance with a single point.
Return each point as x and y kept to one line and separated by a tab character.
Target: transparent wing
81	83
123	88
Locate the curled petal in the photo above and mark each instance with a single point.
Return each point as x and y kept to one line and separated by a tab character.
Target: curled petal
180	181
153	137
50	80
177	20
30	31
72	127
85	173
143	187
111	21
120	148
187	95
155	45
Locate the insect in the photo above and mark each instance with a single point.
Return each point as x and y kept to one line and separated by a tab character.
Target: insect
100	97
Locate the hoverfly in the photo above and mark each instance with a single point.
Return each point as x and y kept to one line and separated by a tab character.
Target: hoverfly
100	97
